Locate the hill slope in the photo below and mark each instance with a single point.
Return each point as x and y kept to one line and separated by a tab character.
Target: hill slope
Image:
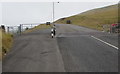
94	18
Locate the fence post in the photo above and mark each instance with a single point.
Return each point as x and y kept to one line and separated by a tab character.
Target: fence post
8	29
20	29
31	25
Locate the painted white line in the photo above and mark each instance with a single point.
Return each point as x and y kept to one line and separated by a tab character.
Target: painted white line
105	42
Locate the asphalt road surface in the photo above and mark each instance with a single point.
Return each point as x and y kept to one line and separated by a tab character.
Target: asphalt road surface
75	49
87	50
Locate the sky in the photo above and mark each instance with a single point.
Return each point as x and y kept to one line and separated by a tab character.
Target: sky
15	13
59	0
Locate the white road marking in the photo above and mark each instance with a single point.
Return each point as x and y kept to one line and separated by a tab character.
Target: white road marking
105	42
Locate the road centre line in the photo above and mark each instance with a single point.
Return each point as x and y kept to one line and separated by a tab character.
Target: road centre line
105	42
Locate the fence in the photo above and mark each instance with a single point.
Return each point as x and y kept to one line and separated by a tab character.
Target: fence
17	29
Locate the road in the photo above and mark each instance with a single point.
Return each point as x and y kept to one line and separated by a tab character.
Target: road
82	52
34	52
75	49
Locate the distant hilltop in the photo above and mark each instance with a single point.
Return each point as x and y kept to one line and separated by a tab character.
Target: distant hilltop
94	18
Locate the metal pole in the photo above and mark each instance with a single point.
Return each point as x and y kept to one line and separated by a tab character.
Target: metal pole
20	29
8	29
53	13
31	25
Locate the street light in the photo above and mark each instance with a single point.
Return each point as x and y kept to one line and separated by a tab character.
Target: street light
54	12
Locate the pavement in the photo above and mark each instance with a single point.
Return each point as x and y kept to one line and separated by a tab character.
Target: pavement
34	52
74	49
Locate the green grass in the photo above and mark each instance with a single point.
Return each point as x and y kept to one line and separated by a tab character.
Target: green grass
6	41
0	44
94	18
41	26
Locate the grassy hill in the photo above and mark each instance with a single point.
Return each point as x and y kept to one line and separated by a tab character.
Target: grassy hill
94	18
41	26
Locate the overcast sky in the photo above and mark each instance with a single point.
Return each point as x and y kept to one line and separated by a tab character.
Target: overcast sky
15	13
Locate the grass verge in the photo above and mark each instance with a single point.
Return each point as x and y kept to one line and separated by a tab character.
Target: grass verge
6	41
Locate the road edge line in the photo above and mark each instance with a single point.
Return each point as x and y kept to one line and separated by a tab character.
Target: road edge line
105	42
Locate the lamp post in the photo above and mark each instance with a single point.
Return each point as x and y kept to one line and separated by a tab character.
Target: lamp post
54	12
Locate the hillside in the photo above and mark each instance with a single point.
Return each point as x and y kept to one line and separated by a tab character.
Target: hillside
94	18
41	26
